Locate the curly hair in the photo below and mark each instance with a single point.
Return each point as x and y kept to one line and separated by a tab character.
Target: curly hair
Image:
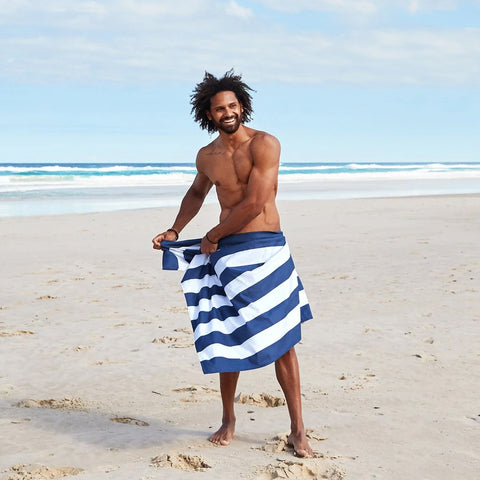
210	86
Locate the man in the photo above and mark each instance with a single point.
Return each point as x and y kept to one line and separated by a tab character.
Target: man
243	165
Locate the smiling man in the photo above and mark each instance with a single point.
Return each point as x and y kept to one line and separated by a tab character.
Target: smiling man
245	300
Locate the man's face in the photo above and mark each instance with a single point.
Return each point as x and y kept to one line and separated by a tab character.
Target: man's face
225	112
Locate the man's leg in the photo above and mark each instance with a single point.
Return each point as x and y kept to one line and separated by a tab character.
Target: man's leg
228	385
286	368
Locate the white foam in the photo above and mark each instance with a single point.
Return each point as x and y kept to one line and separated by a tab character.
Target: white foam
47	182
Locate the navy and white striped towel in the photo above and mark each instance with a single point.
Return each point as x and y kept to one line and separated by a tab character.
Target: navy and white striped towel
245	301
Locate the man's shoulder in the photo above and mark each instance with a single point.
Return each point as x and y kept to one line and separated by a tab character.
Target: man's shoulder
208	149
262	139
206	153
213	145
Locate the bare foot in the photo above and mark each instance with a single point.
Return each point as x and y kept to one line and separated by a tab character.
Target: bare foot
223	435
300	445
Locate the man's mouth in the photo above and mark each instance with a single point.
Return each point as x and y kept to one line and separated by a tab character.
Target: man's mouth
229	121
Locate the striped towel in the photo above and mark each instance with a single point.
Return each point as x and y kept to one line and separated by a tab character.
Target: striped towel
245	301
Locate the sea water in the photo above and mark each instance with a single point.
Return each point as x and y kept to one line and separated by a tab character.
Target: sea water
48	189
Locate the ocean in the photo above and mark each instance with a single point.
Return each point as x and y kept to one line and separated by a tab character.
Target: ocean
51	189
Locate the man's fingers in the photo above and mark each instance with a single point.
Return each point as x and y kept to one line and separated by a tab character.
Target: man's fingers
156	242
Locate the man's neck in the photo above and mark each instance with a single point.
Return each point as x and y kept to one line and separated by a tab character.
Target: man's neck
233	140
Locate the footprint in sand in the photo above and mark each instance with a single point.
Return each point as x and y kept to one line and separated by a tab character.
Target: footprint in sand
184	330
180	461
277	444
428	357
260	400
475	419
6	388
174	342
17	333
80	348
40	472
105	362
67	403
175	309
21	420
354	382
165	339
125	324
46	297
197	393
310	468
130	421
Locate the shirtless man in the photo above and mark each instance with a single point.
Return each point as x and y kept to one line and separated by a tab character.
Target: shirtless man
243	165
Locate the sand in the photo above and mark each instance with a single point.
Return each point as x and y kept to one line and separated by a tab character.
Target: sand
99	378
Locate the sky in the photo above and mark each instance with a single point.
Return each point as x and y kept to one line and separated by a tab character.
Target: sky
334	80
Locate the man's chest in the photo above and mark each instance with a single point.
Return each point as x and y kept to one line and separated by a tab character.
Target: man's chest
229	168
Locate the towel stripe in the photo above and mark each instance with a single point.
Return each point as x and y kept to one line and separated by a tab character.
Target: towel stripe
245	301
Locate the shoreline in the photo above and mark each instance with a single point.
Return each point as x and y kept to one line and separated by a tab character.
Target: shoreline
97	200
212	204
100	375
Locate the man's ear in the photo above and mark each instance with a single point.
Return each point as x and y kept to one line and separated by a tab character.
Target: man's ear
209	116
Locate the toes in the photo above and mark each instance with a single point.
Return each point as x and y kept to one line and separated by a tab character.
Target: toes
303	453
219	441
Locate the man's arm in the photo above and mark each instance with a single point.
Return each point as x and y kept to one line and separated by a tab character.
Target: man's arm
261	183
191	204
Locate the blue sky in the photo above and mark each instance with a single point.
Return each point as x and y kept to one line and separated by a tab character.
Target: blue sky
335	80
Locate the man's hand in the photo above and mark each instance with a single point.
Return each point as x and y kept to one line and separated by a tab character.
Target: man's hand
167	235
207	247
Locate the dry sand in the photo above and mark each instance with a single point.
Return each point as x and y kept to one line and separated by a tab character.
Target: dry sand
99	378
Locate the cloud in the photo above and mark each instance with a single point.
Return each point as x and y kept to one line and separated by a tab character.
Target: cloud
415	6
348	7
342	6
234	9
133	41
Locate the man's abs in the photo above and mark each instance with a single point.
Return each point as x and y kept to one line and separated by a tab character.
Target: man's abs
267	220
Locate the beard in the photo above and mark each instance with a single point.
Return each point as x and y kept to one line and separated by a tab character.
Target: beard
230	127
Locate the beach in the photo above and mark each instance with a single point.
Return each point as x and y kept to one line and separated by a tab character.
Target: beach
100	379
